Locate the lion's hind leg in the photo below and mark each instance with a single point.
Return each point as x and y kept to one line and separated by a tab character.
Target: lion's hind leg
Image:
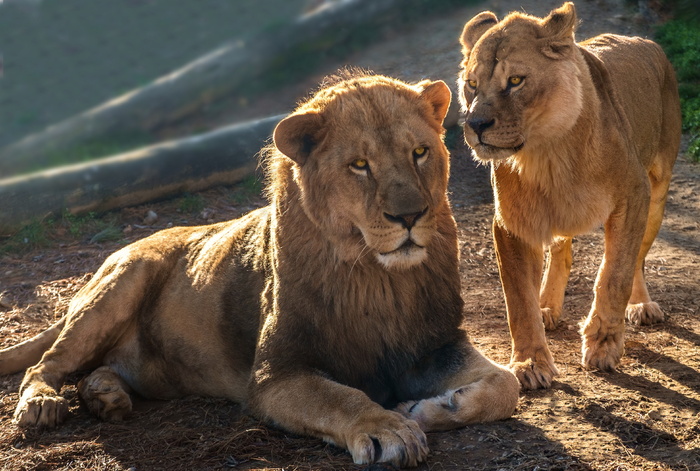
556	276
641	309
482	391
97	319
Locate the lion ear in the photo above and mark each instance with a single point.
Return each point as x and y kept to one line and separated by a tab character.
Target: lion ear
297	135
559	27
475	28
438	94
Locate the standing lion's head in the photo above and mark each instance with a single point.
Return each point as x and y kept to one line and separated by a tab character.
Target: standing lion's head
519	82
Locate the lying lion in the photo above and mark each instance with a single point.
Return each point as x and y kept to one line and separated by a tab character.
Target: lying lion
578	135
322	311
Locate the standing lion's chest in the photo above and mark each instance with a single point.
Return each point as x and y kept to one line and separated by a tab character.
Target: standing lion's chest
538	211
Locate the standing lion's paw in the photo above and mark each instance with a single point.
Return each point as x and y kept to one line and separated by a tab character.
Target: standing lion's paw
603	350
387	437
45	411
550	317
534	367
644	313
534	373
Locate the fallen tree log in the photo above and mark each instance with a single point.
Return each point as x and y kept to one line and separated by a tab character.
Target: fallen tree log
261	62
224	156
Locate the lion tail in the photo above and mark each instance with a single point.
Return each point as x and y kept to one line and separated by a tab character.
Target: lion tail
28	353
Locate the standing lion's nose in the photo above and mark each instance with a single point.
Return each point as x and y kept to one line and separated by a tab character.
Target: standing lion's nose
406	220
480	124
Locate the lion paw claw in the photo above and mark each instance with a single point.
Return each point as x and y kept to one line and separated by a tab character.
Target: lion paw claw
392	438
534	374
550	317
602	353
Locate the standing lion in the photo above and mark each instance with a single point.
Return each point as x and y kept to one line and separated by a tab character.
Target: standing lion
578	135
323	311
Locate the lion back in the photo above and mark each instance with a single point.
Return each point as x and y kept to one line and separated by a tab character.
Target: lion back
636	74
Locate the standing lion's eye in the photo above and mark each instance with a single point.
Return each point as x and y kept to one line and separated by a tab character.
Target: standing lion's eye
515	80
420	153
360	164
471	84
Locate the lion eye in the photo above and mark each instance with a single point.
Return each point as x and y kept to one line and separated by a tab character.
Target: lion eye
471	84
360	164
420	153
515	80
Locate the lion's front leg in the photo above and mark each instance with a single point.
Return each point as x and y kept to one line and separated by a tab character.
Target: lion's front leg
311	404
520	267
482	391
604	328
40	405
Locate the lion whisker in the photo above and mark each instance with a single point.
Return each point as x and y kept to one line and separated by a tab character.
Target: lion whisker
364	249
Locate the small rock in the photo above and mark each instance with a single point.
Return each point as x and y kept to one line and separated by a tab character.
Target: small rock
127	230
207	214
4	301
151	217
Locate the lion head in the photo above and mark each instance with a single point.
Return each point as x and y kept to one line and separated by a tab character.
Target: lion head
366	159
519	81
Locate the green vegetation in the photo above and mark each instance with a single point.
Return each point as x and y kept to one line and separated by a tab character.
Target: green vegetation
191	204
247	189
31	236
98	229
43	233
680	39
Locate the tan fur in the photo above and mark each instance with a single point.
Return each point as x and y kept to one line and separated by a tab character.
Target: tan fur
578	135
321	312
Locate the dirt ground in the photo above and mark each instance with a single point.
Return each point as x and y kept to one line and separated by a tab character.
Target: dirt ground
646	416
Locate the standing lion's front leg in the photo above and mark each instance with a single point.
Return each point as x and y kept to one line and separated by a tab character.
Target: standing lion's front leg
520	267
604	328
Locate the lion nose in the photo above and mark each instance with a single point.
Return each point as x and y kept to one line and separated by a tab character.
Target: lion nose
407	220
480	124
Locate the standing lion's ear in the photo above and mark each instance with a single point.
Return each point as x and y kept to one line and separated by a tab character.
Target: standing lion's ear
558	31
438	94
474	29
297	134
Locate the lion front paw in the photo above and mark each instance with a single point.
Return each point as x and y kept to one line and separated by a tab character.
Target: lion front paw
603	350
644	313
44	410
388	437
